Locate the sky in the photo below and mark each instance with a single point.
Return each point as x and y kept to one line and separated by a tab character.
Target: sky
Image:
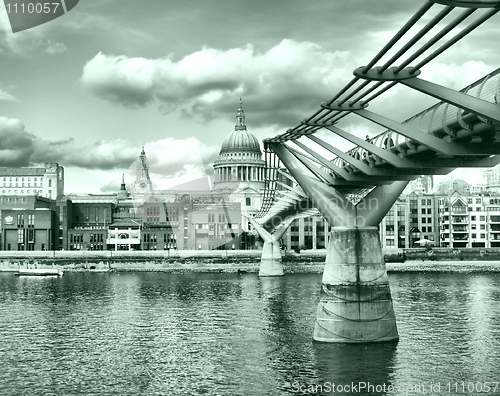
90	88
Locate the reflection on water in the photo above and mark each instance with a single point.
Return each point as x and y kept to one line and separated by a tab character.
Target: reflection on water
234	334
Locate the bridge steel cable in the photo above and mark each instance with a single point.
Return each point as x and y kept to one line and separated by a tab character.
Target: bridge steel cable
370	82
402	150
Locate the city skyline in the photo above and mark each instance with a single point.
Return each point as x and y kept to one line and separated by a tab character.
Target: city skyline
89	89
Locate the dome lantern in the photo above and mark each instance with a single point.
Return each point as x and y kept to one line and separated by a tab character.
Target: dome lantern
240	141
240	119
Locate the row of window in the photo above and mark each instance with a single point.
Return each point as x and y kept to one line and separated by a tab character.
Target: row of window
29	246
152	237
423	201
80	246
22	178
21	185
28	235
221	218
22	192
31	220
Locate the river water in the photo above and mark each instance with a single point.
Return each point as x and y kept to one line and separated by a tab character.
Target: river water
236	334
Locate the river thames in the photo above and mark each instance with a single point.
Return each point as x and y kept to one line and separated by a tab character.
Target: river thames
236	334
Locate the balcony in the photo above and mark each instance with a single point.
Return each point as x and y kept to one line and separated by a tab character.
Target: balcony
459	229
459	220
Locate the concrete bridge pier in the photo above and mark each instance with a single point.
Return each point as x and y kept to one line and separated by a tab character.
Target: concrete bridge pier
355	302
270	261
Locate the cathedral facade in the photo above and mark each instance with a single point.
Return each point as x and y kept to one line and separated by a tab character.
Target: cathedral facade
240	168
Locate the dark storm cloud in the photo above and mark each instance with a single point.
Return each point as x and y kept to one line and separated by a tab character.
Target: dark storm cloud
21	148
166	157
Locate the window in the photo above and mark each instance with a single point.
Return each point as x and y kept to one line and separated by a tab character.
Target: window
483	235
482	226
478	200
424	220
482	218
31	236
249	201
423	211
473	218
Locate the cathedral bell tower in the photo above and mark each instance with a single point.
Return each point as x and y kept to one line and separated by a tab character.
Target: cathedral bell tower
142	183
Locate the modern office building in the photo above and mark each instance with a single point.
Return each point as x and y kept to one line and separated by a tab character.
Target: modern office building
470	220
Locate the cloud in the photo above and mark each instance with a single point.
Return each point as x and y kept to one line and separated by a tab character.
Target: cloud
55	48
4	95
291	76
167	158
280	86
175	161
16	145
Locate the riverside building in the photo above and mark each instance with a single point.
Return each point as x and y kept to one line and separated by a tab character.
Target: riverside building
46	182
210	214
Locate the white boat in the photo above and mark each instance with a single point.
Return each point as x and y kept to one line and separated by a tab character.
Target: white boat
40	272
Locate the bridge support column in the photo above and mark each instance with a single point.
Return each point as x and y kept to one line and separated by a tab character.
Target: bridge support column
270	261
355	303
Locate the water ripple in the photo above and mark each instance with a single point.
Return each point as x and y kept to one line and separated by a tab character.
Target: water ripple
233	334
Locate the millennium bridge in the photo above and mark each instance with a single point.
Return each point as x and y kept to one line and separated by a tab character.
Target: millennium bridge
355	189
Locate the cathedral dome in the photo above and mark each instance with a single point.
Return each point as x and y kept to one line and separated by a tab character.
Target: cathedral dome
240	141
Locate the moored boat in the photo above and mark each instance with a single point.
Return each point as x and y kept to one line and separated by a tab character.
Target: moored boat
40	272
